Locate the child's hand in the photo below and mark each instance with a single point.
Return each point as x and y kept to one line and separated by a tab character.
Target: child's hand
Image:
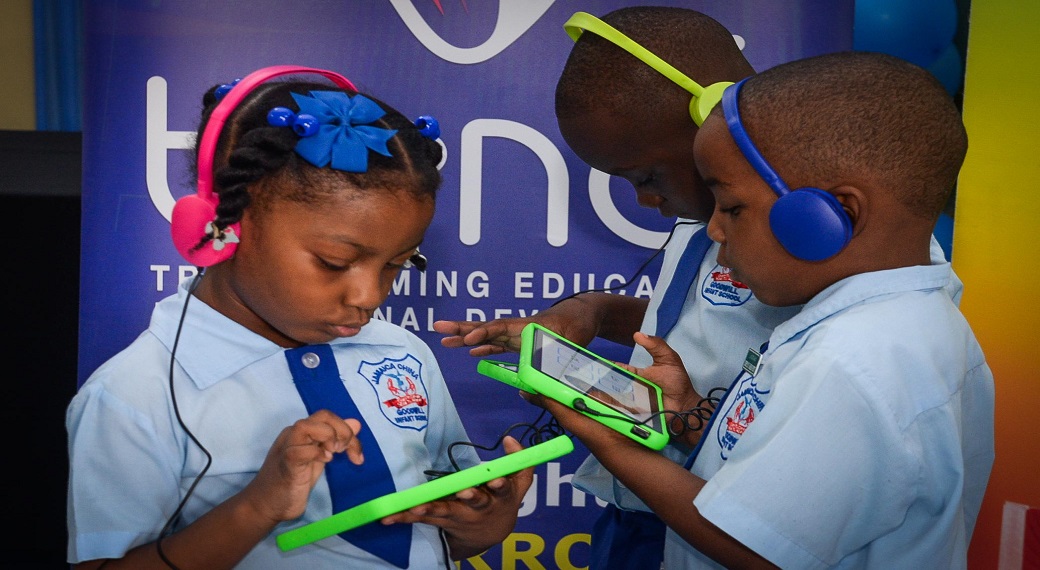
570	319
477	518
296	460
668	372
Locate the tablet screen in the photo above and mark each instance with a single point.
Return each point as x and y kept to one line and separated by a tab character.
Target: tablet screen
599	379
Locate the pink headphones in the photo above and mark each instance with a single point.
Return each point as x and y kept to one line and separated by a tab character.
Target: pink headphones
193	215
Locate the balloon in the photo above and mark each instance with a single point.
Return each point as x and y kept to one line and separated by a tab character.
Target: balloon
915	30
949	69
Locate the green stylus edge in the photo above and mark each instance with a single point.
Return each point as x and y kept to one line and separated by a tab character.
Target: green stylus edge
441	487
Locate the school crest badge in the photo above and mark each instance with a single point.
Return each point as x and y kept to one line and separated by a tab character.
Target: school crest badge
400	390
719	288
741	409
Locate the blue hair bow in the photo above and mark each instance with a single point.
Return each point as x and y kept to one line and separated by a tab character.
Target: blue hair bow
343	136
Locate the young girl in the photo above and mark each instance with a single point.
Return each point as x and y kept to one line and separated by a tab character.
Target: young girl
262	396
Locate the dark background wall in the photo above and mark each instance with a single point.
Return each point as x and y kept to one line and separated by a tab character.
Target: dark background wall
40	230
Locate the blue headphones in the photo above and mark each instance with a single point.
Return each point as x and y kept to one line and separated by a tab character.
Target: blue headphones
808	222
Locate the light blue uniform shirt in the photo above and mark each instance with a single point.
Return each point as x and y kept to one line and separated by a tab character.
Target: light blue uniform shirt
864	440
719	321
131	462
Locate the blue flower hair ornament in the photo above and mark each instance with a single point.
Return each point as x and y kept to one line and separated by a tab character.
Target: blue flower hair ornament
335	129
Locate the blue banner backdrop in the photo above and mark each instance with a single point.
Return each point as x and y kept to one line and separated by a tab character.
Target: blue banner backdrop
520	221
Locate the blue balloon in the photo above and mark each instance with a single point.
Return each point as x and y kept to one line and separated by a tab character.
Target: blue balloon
949	69
915	30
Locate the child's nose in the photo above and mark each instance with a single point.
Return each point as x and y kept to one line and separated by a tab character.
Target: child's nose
366	290
715	229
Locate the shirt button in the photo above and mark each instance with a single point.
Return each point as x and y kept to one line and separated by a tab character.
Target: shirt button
311	360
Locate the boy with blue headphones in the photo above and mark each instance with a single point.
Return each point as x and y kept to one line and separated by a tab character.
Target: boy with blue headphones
861	433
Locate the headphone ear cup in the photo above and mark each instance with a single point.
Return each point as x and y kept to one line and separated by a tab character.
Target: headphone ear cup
702	105
810	223
191	215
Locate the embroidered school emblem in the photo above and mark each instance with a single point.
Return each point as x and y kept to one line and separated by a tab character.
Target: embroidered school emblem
400	390
745	405
719	288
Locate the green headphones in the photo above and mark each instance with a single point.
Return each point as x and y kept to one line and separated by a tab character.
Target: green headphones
704	98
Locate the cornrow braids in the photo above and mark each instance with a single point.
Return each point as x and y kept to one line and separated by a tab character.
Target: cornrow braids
412	163
255	162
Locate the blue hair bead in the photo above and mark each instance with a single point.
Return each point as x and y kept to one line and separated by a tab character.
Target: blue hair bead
306	125
280	117
428	127
225	88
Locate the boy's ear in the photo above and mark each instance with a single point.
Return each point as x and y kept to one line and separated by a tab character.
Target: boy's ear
853	202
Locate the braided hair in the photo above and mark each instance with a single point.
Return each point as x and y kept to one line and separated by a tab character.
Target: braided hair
255	162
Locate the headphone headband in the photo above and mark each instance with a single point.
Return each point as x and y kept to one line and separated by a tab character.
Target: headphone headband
230	102
809	222
731	109
704	99
192	218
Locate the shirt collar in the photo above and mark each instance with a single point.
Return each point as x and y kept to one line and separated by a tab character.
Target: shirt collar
212	347
858	288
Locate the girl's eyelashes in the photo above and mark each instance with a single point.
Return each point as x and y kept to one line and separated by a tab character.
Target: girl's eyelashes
402	262
333	260
337	265
332	266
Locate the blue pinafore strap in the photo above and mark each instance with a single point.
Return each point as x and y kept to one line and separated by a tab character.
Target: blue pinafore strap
317	378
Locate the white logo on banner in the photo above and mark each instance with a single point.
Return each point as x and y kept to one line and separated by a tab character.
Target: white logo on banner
472	157
159	140
514	18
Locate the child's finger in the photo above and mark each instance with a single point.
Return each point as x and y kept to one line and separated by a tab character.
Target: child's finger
517	482
658	349
474	498
344	436
331	433
627	366
353	444
435	513
297	444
